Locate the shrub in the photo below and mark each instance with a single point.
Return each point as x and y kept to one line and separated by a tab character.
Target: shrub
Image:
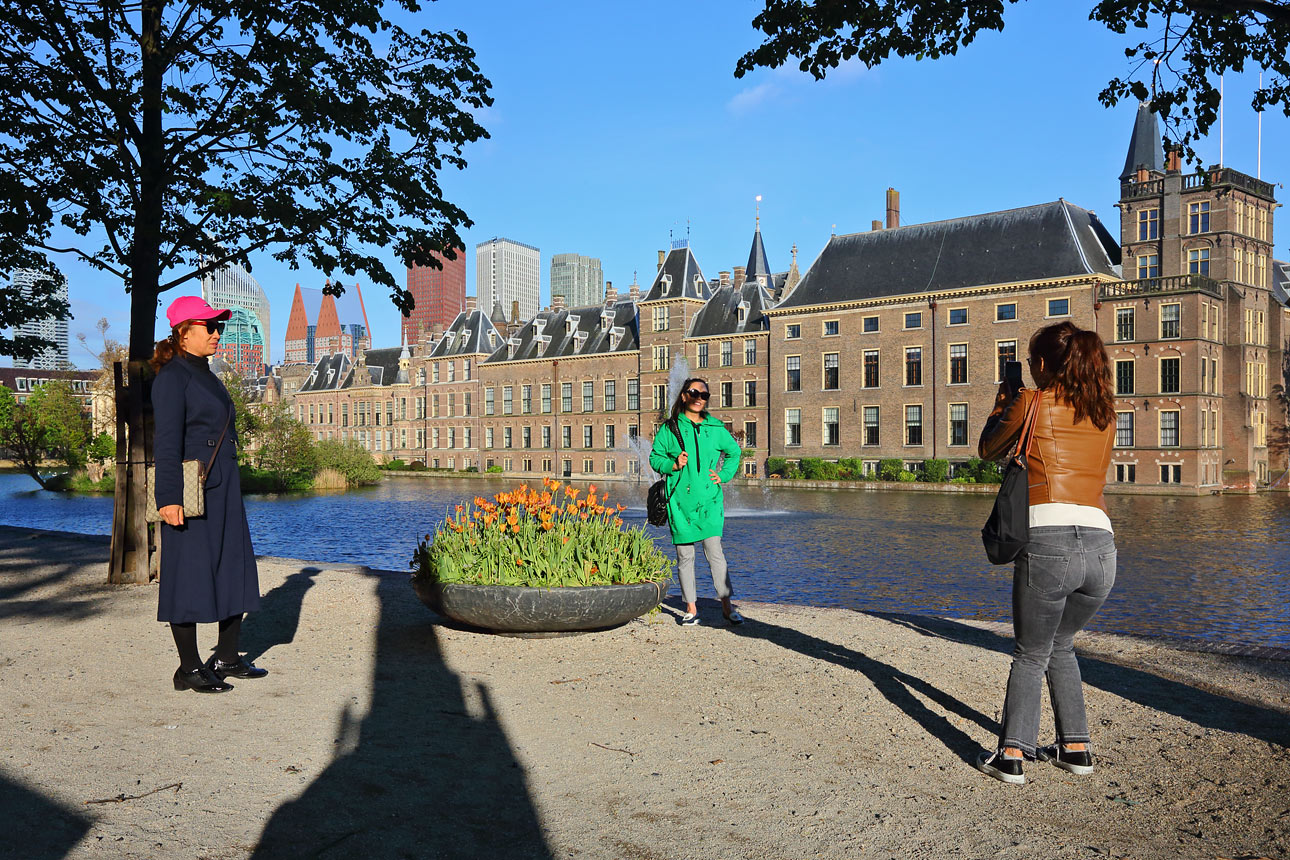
816	469
544	538
851	467
102	449
350	459
776	466
890	469
494	470
936	471
395	465
416	466
980	471
471	469
907	477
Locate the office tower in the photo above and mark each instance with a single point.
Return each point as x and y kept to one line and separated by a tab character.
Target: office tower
56	357
321	324
507	271
243	343
440	295
579	279
232	286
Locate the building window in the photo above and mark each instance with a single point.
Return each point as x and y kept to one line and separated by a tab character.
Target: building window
750	352
727	353
913	365
1126	473
434	372
871	425
750	393
566	436
913	425
465	369
830	371
958	423
587	433
1170	321
633	395
1123	324
792	331
830	425
452	371
610	439
830	328
958	316
1007	351
1148	265
507	437
1198	261
661	318
546	439
526	399
1124	376
1169	428
1171	473
588	397
793	373
660	358
793	427
1170	373
703	355
1006	312
467	404
611	395
526	436
566	397
869	324
1198	217
913	320
660	398
871	368
489	402
750	434
1124	429
1059	307
958	364
508	405
611	466
727	395
1148	224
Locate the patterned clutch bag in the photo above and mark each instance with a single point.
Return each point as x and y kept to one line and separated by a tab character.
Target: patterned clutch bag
194	491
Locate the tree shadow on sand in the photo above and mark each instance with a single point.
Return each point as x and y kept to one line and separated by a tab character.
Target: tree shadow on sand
1186	701
423	774
37	585
35	827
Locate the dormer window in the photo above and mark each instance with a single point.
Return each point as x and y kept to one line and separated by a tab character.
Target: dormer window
511	346
539	326
743	312
571	324
579	339
492	339
666	281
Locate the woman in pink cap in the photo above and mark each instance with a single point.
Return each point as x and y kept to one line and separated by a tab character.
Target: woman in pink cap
208	571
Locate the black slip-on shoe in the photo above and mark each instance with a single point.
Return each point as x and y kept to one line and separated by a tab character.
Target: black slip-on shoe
240	669
200	680
1001	767
1077	762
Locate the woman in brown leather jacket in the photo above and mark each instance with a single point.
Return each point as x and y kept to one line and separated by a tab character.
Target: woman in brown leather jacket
1068	567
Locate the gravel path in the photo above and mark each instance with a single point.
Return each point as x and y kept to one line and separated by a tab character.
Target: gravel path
805	732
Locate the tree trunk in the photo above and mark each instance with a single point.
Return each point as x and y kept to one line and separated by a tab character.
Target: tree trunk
130	534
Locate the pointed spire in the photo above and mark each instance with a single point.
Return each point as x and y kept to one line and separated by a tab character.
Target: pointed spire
758	268
1145	149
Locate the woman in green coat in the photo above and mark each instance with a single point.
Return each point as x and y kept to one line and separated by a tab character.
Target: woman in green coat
687	450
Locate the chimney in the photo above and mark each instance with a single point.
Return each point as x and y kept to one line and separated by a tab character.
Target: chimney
662	255
1173	159
634	294
557	303
875	226
893	208
723	279
611	295
436	330
472	302
740	276
515	311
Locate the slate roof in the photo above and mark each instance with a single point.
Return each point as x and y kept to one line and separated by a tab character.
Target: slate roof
1281	282
329	374
1050	240
467	335
721	314
680	277
1145	146
382	368
574	331
758	265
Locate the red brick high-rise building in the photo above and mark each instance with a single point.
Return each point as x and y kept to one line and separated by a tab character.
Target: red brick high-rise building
440	295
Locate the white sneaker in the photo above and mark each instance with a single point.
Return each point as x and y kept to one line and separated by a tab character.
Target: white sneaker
734	617
690	619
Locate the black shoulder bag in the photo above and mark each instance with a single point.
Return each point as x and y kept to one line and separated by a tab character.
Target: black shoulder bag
1007	531
656	501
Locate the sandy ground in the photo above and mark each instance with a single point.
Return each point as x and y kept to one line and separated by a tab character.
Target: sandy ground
382	733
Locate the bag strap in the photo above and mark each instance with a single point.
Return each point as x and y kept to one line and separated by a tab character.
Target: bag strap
222	434
1028	428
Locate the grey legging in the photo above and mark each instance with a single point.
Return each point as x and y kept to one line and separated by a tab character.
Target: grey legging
716	560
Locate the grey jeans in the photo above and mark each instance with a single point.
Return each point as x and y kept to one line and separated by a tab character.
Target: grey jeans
716	560
1060	581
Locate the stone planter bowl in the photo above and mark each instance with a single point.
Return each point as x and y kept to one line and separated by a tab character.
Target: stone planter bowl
540	612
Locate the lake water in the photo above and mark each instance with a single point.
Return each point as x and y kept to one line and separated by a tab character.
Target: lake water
1214	568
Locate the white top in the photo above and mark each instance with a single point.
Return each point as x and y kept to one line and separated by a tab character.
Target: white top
1065	514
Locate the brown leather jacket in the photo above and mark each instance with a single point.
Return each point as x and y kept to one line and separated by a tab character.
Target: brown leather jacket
1067	461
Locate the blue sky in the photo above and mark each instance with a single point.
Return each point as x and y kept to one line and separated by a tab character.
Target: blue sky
616	124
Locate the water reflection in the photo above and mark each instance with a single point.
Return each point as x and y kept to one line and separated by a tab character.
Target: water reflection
1214	567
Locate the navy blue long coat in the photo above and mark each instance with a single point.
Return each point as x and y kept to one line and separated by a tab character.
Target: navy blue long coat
208	570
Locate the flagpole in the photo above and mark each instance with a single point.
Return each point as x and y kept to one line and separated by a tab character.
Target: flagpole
1220	119
1259	172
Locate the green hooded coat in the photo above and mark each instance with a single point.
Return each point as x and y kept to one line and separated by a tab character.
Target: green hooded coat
695	507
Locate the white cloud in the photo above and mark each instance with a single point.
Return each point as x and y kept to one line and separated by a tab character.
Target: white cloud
753	97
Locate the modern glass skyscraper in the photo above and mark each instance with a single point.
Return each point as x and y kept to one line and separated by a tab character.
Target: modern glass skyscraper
243	344
58	356
233	287
507	271
579	279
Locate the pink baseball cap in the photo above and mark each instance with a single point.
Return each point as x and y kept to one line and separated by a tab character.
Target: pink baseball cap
193	308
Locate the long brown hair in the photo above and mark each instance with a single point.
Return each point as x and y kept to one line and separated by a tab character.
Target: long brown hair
1081	370
679	406
168	348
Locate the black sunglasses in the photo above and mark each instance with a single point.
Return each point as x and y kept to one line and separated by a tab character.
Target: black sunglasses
212	326
697	394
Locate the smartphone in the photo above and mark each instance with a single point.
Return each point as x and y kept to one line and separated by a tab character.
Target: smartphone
1012	376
